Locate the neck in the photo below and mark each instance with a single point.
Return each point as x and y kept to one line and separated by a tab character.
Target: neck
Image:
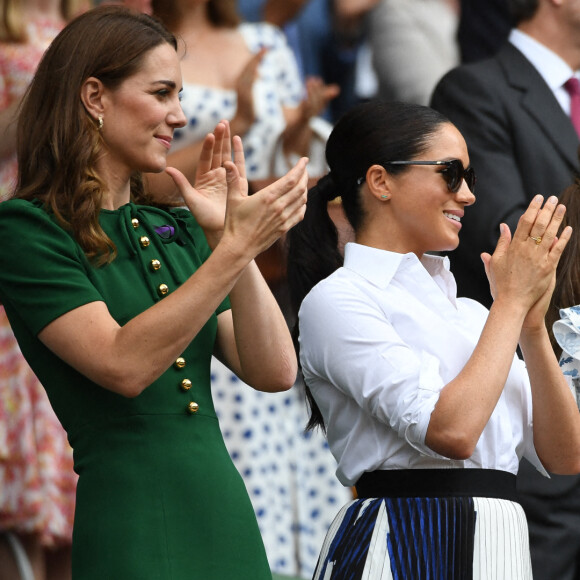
194	21
118	190
555	32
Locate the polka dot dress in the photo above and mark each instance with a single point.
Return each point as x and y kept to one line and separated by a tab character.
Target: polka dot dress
289	474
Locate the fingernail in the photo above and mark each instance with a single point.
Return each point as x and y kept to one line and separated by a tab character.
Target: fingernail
553	199
538	198
560	210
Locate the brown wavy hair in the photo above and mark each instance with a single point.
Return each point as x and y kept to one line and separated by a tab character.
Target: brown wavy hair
567	290
221	13
58	141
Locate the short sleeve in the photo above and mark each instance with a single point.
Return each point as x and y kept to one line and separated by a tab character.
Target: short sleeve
43	271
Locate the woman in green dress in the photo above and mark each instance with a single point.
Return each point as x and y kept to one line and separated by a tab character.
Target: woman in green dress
118	305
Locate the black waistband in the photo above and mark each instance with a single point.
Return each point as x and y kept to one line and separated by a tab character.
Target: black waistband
438	483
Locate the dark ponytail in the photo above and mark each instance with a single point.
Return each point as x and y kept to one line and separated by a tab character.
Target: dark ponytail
312	256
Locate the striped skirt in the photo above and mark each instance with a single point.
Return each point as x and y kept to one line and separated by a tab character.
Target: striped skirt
427	538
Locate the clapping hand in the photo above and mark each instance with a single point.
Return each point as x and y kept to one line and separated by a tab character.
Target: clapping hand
220	202
523	268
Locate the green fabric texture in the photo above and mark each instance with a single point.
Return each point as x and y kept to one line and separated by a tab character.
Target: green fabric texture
158	496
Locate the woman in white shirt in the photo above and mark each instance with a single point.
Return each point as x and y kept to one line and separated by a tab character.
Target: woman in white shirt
426	406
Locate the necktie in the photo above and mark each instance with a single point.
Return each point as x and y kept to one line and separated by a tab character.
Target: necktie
573	87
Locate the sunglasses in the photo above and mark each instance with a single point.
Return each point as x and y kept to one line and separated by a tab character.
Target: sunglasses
454	172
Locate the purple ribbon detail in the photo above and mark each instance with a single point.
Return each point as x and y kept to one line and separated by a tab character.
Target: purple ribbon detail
165	232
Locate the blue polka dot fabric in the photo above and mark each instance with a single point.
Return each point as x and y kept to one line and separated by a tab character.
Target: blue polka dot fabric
289	474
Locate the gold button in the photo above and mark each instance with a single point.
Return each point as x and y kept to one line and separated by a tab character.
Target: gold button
179	362
135	223
163	289
155	264
144	241
185	385
192	407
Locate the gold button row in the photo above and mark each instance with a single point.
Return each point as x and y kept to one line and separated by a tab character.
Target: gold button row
162	289
185	385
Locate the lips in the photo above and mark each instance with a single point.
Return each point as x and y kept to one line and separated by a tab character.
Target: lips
165	140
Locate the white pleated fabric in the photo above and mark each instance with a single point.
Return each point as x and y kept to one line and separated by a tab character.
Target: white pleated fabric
502	550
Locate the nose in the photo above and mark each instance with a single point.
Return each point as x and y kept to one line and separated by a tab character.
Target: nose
176	117
465	195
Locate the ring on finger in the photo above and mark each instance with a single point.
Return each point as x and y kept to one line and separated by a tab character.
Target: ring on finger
537	239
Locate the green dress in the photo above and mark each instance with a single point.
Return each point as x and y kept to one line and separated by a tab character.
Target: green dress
158	496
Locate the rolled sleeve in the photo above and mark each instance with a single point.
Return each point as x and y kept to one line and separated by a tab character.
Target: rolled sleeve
358	351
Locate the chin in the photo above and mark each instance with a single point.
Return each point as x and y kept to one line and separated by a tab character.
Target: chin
154	168
448	247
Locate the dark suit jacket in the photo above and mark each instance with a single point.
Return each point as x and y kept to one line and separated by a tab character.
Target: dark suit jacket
520	143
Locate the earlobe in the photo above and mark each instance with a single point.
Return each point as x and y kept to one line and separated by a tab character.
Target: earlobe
92	98
378	182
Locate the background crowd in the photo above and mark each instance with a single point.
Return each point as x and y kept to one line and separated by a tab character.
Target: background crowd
504	72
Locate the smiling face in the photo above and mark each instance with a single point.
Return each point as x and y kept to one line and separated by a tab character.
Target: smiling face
421	213
140	116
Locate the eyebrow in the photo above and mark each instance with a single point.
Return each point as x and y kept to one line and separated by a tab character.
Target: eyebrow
170	84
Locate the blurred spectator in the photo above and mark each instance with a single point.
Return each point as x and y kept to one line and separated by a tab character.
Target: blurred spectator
413	44
37	481
253	82
328	38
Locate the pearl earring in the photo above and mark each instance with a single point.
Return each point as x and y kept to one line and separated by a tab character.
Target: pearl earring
100	122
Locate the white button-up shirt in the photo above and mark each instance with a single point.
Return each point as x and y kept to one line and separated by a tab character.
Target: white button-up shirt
379	339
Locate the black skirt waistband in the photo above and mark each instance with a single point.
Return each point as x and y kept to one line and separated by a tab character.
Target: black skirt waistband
438	483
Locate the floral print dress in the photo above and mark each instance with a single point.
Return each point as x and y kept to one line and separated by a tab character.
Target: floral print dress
37	481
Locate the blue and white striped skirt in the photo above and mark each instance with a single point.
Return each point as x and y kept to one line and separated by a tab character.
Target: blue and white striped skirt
423	538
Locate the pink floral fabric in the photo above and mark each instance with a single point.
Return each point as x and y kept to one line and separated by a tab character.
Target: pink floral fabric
37	481
18	62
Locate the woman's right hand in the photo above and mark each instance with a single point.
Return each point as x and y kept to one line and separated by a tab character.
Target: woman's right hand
222	206
522	269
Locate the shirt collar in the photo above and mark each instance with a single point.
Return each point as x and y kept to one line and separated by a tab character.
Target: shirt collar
553	69
380	266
